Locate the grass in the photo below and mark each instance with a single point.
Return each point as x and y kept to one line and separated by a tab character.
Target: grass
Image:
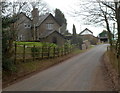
113	59
113	70
34	43
29	45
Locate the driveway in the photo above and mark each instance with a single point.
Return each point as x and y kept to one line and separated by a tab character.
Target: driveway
83	72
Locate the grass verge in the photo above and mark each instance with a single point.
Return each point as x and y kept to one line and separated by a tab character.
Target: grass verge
111	65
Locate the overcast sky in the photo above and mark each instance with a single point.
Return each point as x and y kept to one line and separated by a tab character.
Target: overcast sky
65	7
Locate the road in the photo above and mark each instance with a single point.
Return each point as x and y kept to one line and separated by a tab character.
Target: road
80	73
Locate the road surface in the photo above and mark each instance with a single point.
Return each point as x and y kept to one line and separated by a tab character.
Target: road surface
80	73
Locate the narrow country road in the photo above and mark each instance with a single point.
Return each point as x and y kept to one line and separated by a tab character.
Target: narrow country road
80	73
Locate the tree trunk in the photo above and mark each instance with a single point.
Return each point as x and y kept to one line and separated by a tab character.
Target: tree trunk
117	12
109	32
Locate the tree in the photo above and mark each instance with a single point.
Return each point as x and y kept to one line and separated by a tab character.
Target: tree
117	16
115	7
74	31
59	16
75	38
101	13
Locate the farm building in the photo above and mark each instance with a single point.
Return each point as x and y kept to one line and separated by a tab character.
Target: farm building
87	34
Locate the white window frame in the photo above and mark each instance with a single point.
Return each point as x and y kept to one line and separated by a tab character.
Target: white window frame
49	26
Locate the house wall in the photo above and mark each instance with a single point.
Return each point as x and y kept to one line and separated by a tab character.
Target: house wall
60	39
42	27
23	33
93	40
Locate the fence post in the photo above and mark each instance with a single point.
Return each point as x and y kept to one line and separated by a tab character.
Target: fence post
33	52
15	53
58	49
39	52
23	53
63	51
42	52
48	52
54	52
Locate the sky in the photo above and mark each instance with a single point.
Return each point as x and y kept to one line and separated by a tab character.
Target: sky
66	7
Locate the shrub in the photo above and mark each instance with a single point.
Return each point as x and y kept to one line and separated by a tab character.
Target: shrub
8	65
35	51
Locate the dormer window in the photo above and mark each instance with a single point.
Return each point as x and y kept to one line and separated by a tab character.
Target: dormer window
49	26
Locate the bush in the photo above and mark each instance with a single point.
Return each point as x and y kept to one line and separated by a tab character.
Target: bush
8	65
35	51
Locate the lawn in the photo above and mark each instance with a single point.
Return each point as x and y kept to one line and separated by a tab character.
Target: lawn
35	43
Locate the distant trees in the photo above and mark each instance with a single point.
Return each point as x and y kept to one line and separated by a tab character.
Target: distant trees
60	17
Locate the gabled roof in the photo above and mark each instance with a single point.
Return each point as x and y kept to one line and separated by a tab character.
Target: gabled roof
86	29
42	18
25	16
47	33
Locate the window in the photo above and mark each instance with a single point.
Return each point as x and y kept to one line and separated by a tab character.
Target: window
27	25
49	26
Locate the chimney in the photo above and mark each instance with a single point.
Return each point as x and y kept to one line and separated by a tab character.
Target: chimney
35	15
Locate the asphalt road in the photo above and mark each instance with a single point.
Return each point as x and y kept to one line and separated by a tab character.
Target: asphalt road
80	73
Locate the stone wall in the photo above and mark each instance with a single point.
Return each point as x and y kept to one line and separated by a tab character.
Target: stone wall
86	44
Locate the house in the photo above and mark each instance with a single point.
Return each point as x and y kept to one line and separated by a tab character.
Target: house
103	36
86	31
87	34
24	32
42	28
53	37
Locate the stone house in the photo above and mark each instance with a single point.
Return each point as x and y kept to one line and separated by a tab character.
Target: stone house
87	34
43	28
24	32
53	37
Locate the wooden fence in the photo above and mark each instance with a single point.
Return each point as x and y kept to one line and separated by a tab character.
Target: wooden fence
25	53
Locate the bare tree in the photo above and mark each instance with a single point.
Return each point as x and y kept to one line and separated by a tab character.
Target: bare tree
101	12
40	4
117	12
